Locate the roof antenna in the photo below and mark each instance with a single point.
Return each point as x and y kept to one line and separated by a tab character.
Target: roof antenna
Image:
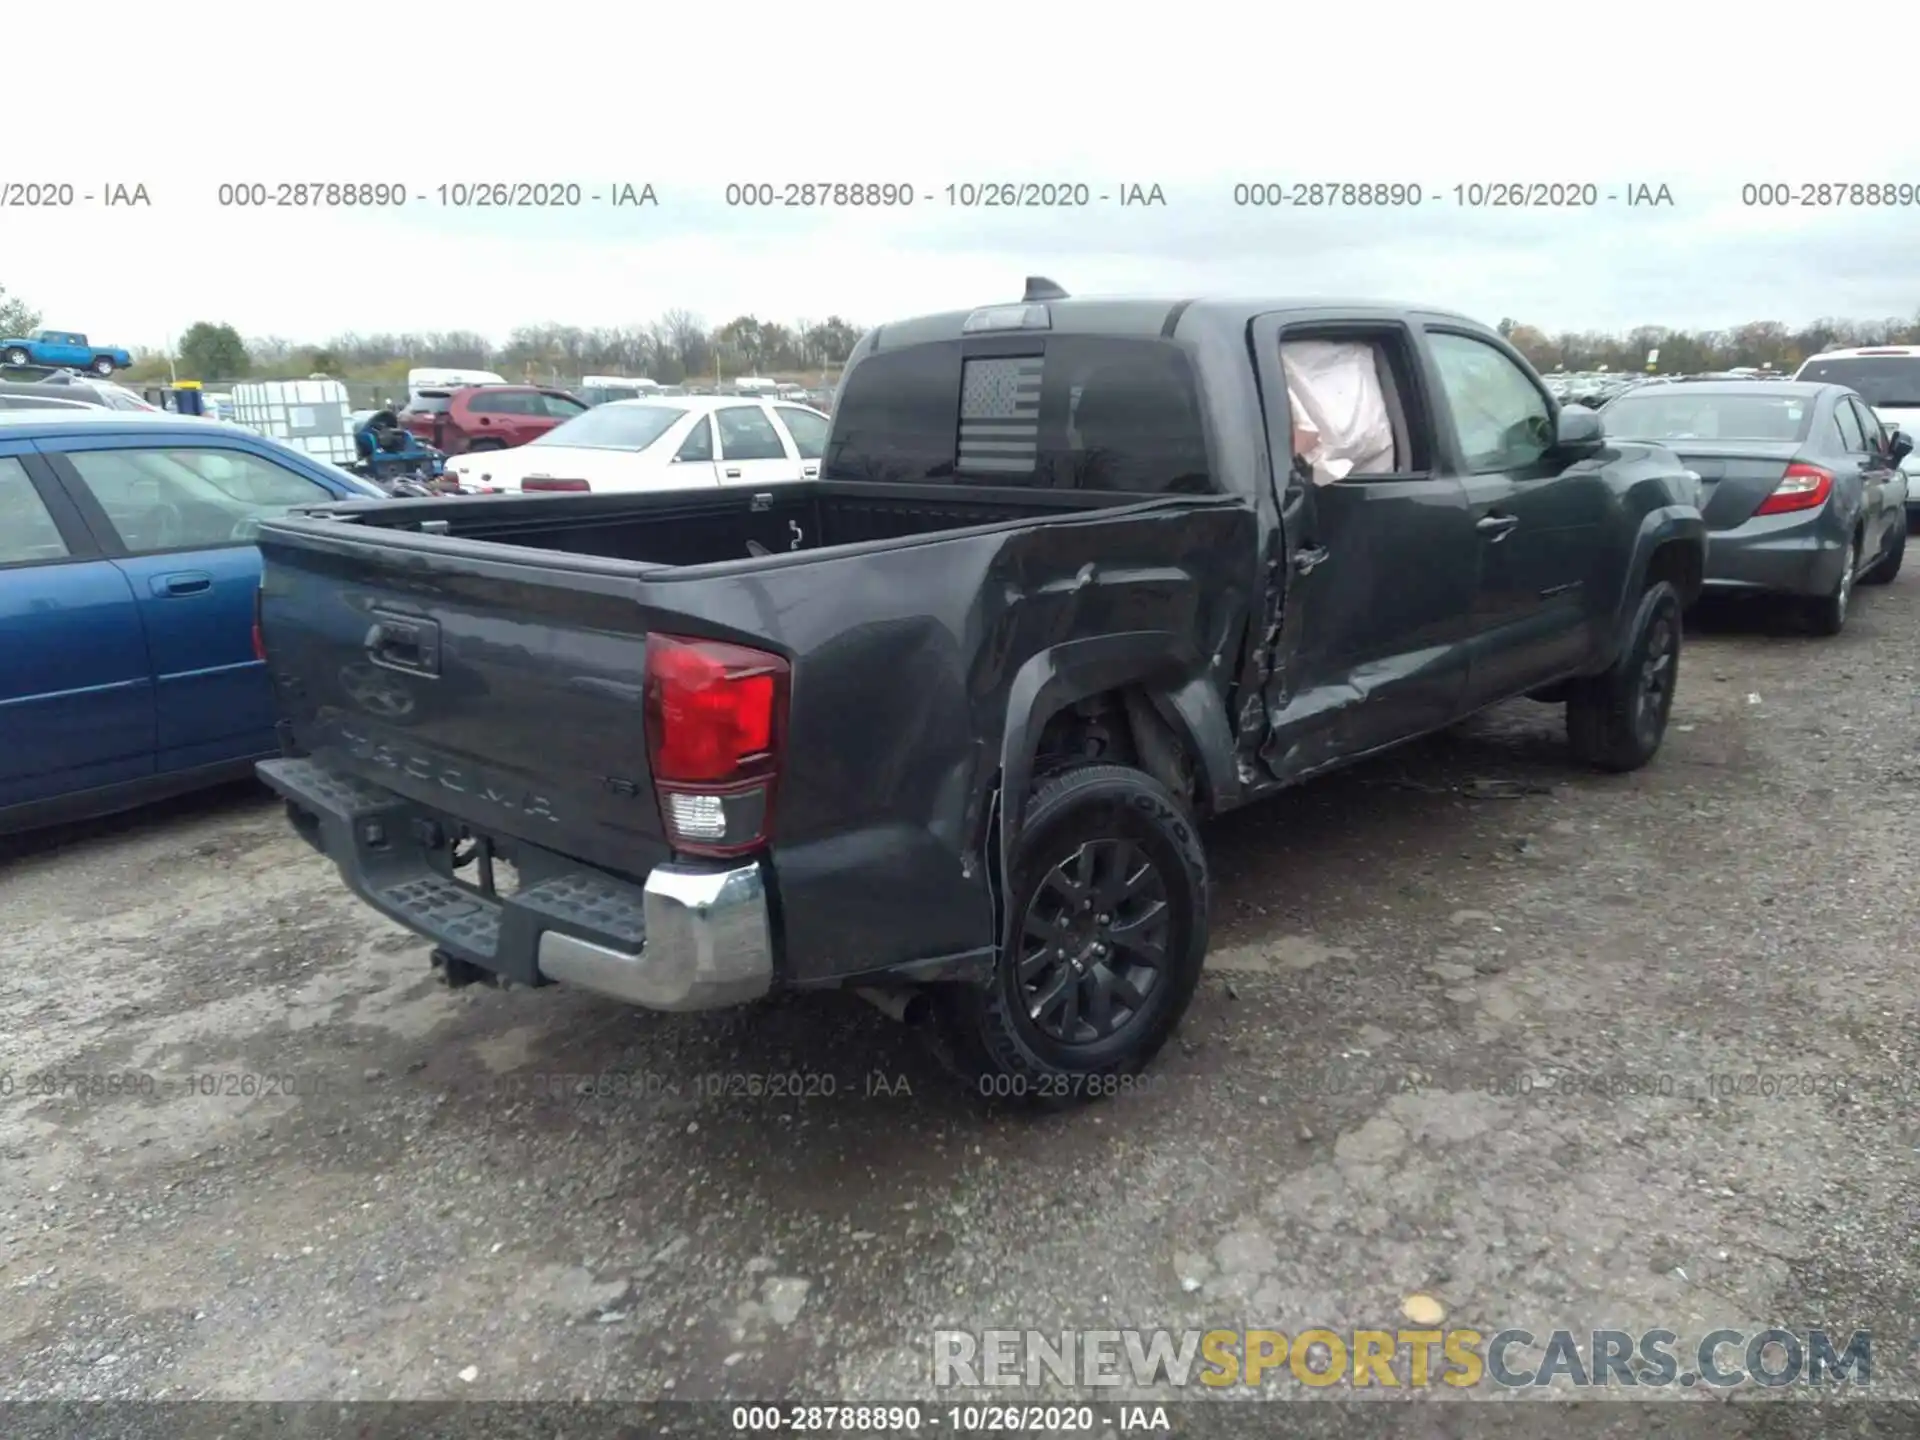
1041	288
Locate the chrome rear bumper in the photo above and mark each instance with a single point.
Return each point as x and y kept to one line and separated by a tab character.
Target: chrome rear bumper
688	938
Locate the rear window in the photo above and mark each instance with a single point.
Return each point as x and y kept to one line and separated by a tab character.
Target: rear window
607	394
614	427
1679	412
504	402
1892	380
430	402
1071	412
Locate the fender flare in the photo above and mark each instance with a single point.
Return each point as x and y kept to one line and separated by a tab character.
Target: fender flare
1166	666
1657	528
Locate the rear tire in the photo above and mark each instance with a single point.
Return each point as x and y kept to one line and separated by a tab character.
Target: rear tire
103	367
1617	719
1828	614
1108	894
1888	565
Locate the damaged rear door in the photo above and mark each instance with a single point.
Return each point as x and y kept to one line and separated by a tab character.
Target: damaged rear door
1383	564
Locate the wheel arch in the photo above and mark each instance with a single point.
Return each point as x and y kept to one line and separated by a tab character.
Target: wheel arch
1670	545
1161	684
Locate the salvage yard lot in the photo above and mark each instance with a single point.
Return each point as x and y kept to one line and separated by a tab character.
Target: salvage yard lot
393	1196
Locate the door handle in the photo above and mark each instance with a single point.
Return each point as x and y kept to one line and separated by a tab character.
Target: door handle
1306	560
405	644
733	472
1495	527
182	582
810	472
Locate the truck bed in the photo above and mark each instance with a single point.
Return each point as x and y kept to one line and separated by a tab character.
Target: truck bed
703	527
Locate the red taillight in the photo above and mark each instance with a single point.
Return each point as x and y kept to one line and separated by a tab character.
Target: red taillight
716	717
542	483
259	635
1803	487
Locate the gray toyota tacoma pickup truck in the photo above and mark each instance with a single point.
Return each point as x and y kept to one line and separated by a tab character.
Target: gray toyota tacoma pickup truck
939	725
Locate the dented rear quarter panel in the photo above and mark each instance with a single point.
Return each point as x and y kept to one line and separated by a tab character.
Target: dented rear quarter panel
923	671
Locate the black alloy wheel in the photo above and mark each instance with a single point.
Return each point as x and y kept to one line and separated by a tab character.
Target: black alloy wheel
1653	695
1107	912
1093	944
1617	719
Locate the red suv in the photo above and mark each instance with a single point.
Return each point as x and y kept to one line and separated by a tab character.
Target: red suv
487	417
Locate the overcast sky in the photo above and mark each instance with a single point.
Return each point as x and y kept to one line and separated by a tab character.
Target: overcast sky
1192	98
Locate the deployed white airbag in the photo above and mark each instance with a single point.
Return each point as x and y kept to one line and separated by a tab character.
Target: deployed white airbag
1340	420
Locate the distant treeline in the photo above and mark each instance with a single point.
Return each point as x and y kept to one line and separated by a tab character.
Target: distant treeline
1693	352
678	347
674	349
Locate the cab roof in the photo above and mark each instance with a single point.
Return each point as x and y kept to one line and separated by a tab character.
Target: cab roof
1149	316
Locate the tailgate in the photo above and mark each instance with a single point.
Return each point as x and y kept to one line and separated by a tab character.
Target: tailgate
507	696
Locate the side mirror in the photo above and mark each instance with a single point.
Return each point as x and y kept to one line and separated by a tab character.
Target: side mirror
1580	431
1899	446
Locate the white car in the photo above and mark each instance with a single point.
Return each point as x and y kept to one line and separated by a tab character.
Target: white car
677	442
1887	377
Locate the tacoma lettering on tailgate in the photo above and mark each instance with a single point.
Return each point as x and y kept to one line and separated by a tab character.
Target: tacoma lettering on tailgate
458	779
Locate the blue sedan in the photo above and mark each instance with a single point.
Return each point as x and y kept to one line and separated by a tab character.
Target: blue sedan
127	579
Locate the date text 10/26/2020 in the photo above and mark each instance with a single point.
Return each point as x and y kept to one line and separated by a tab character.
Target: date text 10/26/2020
1254	193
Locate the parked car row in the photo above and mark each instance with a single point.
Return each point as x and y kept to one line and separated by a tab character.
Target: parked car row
1592	389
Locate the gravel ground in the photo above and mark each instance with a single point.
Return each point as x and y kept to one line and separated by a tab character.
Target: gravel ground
331	1178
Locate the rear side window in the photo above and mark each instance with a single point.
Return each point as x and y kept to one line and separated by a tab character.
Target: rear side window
189	498
699	442
1074	412
27	532
1870	425
808	430
747	434
511	402
1852	438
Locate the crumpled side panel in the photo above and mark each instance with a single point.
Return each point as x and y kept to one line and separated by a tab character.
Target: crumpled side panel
1340	420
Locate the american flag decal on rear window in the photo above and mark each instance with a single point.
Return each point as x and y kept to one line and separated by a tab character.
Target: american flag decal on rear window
1000	415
